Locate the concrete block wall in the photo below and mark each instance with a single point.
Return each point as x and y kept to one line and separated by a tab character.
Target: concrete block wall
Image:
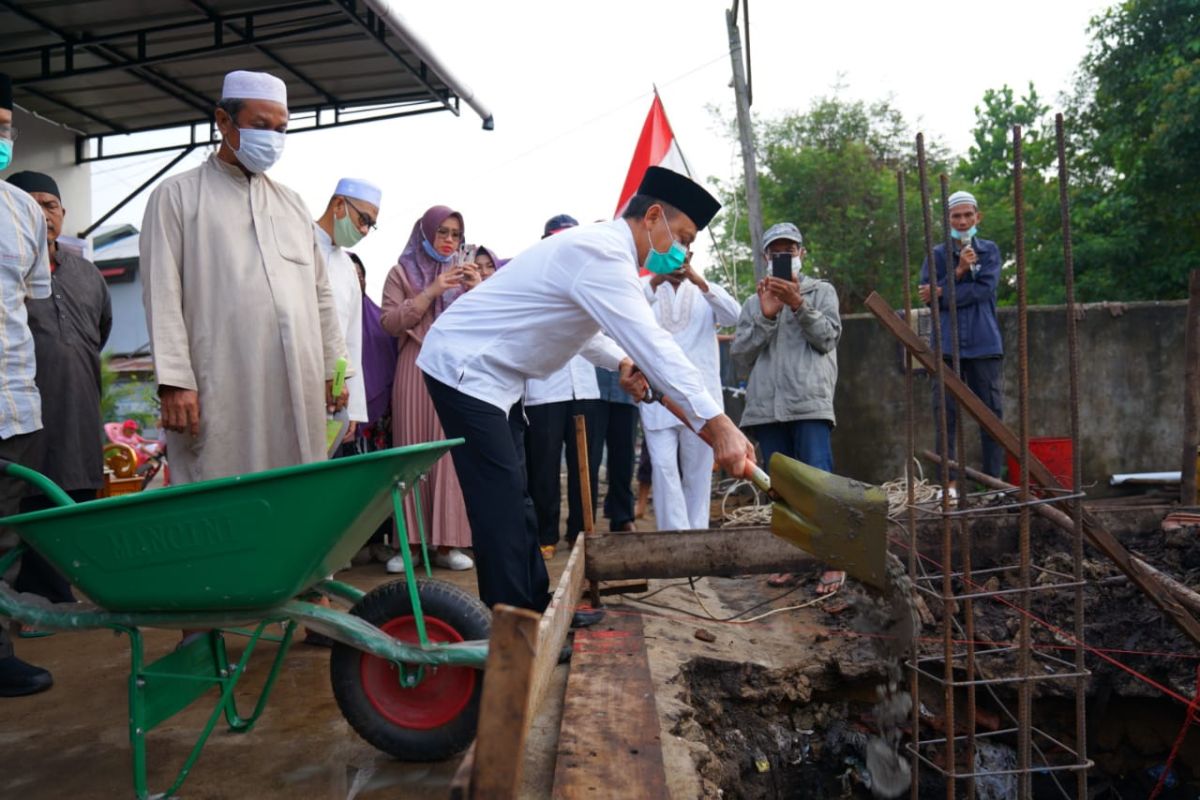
1131	378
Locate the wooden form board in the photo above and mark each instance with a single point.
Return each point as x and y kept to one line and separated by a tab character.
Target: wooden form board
556	621
682	554
609	744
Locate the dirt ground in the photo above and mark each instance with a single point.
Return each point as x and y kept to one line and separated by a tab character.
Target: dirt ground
776	707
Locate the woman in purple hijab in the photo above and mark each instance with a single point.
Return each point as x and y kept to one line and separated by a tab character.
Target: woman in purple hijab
417	291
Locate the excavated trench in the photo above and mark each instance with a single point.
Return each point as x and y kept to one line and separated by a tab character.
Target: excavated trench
807	731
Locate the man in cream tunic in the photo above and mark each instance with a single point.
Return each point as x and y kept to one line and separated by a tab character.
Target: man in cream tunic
242	322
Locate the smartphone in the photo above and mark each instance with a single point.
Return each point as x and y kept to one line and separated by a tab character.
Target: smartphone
781	266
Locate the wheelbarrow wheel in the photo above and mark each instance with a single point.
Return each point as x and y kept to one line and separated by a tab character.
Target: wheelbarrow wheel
437	718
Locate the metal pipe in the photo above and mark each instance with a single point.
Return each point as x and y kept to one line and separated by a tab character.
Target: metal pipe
1024	694
940	377
1064	204
910	430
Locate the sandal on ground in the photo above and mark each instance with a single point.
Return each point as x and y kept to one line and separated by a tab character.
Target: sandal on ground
831	581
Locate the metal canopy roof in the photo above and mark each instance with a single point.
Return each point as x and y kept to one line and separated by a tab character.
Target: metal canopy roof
105	68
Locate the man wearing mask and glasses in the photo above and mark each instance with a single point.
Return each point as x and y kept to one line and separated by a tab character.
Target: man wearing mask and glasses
24	275
349	216
243	327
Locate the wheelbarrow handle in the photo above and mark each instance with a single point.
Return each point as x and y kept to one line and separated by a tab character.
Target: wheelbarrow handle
48	487
754	472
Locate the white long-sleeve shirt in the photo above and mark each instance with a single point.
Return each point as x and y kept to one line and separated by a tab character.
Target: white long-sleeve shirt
549	304
575	381
691	317
347	299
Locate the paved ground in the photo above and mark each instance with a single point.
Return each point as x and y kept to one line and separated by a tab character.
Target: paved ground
72	742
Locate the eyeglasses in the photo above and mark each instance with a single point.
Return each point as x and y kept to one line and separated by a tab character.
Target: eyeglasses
449	233
364	219
8	132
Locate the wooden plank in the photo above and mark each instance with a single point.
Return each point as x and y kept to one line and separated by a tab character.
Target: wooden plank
1101	539
460	784
556	621
609	743
608	588
682	554
504	711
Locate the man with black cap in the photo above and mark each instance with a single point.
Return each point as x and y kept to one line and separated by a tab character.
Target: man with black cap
547	305
69	329
24	274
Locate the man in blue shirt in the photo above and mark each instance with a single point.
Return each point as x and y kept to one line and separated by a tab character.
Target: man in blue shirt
976	271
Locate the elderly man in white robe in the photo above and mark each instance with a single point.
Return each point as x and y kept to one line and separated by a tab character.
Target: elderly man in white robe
243	329
349	216
689	308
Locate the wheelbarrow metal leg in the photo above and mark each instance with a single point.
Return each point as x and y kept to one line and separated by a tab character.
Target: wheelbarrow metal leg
409	576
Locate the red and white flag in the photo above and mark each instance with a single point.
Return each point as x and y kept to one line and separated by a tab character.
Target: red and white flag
656	147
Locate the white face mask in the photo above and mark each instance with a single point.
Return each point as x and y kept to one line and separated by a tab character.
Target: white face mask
260	148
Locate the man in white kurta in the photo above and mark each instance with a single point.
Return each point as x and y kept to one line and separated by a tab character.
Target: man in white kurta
242	324
349	216
690	309
547	305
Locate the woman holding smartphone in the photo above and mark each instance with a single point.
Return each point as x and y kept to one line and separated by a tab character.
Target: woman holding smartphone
428	278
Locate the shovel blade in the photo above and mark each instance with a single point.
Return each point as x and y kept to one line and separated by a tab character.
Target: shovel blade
841	521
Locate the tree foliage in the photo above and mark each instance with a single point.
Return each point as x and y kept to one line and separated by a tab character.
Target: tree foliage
1133	153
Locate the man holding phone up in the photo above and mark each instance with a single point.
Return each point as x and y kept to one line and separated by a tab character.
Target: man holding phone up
786	340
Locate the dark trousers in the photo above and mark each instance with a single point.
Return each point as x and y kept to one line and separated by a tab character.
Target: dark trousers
551	427
806	440
618	422
37	575
508	565
23	449
984	377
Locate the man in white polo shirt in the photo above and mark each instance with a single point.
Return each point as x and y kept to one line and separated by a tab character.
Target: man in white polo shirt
547	305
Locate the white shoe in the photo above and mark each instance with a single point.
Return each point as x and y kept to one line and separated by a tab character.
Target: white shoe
456	560
953	495
395	564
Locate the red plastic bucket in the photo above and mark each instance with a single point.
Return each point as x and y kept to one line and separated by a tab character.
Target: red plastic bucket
1055	452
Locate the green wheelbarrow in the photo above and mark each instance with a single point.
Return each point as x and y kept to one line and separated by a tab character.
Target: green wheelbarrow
237	555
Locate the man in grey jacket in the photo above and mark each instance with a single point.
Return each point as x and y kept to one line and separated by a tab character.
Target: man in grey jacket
786	340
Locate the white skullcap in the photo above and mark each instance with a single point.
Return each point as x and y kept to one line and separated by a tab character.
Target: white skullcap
358	189
245	85
962	198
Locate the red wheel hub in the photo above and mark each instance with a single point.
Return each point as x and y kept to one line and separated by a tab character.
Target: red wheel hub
442	693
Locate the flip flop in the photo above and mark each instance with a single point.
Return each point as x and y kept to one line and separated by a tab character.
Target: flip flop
830	581
781	580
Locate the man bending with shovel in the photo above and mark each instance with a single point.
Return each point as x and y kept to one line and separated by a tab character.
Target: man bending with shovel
548	304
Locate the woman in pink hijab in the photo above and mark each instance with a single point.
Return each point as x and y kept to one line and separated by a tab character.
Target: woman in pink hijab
417	291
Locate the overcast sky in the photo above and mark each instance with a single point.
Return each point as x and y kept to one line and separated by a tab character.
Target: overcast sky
570	84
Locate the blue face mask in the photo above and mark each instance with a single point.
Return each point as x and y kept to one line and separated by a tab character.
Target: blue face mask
5	153
965	236
671	260
434	254
260	149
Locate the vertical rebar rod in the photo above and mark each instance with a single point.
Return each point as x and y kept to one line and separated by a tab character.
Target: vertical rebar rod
963	524
1064	204
910	429
1024	696
940	388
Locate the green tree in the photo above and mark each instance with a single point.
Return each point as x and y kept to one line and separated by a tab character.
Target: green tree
832	171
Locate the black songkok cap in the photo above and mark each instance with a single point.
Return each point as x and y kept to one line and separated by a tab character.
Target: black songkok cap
681	192
32	182
5	91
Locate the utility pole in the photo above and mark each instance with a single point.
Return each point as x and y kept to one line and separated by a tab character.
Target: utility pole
746	135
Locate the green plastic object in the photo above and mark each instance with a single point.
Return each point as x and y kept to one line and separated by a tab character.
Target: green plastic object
249	542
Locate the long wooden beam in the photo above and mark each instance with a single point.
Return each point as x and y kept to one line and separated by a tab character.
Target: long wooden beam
555	622
1101	539
683	554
